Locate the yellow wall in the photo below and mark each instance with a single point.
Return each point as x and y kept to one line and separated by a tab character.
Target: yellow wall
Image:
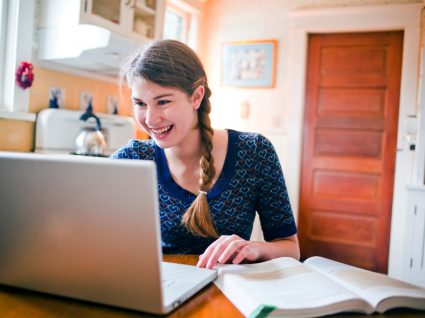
73	86
16	135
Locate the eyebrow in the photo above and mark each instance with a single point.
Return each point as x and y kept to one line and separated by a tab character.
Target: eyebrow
163	95
155	98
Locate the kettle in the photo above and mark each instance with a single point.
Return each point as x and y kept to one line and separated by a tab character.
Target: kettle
90	141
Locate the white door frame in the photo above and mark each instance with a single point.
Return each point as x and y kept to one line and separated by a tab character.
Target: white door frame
404	17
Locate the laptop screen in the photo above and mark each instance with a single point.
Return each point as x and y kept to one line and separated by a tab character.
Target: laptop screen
81	227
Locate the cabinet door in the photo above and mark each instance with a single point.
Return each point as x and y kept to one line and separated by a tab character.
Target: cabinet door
417	264
109	14
137	19
142	17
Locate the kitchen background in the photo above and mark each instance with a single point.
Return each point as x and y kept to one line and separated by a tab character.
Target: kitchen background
276	112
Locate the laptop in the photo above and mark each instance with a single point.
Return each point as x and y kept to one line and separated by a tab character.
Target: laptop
88	228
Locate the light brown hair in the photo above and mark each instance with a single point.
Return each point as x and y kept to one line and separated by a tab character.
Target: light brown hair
173	64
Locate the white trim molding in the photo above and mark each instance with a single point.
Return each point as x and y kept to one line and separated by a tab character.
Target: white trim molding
18	116
19	42
420	133
3	19
404	17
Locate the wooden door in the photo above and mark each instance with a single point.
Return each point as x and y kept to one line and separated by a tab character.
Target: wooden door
349	146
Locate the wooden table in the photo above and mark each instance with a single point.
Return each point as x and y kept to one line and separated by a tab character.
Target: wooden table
209	302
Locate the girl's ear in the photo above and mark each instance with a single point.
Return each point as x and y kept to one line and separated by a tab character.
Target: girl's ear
197	96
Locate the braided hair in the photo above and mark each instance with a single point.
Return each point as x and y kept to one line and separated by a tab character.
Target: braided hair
173	64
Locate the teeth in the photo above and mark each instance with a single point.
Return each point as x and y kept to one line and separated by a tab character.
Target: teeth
162	130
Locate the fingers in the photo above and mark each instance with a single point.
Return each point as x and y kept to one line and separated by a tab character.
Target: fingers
243	254
203	259
224	249
226	245
231	250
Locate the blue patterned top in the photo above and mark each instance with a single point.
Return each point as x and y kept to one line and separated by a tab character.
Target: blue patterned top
251	180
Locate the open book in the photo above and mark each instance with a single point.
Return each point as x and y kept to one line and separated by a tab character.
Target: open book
284	287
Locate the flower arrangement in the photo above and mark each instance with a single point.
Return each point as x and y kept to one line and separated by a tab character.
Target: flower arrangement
24	75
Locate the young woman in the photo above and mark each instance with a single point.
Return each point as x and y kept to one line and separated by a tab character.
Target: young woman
210	182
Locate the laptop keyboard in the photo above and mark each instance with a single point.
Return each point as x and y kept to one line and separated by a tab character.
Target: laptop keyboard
167	283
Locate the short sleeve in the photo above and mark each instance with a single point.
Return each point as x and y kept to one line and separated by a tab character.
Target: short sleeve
273	206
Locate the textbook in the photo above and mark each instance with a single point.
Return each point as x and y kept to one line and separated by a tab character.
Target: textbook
285	287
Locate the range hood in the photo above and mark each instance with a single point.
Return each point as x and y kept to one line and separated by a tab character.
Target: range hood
85	47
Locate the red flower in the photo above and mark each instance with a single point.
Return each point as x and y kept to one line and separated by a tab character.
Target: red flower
24	75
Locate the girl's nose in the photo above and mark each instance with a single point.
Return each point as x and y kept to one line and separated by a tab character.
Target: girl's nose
152	116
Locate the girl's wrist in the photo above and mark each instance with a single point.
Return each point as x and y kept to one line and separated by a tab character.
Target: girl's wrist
274	249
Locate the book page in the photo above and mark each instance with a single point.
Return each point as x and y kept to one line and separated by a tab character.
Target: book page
373	287
283	283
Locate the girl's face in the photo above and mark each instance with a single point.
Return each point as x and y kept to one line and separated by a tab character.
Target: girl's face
167	114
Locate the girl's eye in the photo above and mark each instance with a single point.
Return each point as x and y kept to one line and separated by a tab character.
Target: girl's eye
139	103
163	102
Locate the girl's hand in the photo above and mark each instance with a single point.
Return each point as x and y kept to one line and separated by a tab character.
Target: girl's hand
229	248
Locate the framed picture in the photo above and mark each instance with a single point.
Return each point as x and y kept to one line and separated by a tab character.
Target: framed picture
249	64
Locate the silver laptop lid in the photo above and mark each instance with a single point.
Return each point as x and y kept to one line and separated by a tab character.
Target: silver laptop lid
72	226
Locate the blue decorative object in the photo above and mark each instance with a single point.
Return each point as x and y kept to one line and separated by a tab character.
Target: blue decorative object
89	108
53	102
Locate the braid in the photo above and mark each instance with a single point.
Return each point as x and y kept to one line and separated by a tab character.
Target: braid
197	218
207	160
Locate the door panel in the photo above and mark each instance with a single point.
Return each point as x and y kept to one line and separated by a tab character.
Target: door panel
349	144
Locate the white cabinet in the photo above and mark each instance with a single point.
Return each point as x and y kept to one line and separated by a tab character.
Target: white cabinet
95	36
140	20
415	243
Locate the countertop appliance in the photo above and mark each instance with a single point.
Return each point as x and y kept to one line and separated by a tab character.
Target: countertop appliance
90	141
57	130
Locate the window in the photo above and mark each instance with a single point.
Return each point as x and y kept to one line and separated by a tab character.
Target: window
16	38
2	46
181	22
175	26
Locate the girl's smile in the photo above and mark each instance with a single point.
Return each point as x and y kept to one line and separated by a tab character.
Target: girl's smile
161	132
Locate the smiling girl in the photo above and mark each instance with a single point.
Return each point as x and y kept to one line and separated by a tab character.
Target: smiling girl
211	182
